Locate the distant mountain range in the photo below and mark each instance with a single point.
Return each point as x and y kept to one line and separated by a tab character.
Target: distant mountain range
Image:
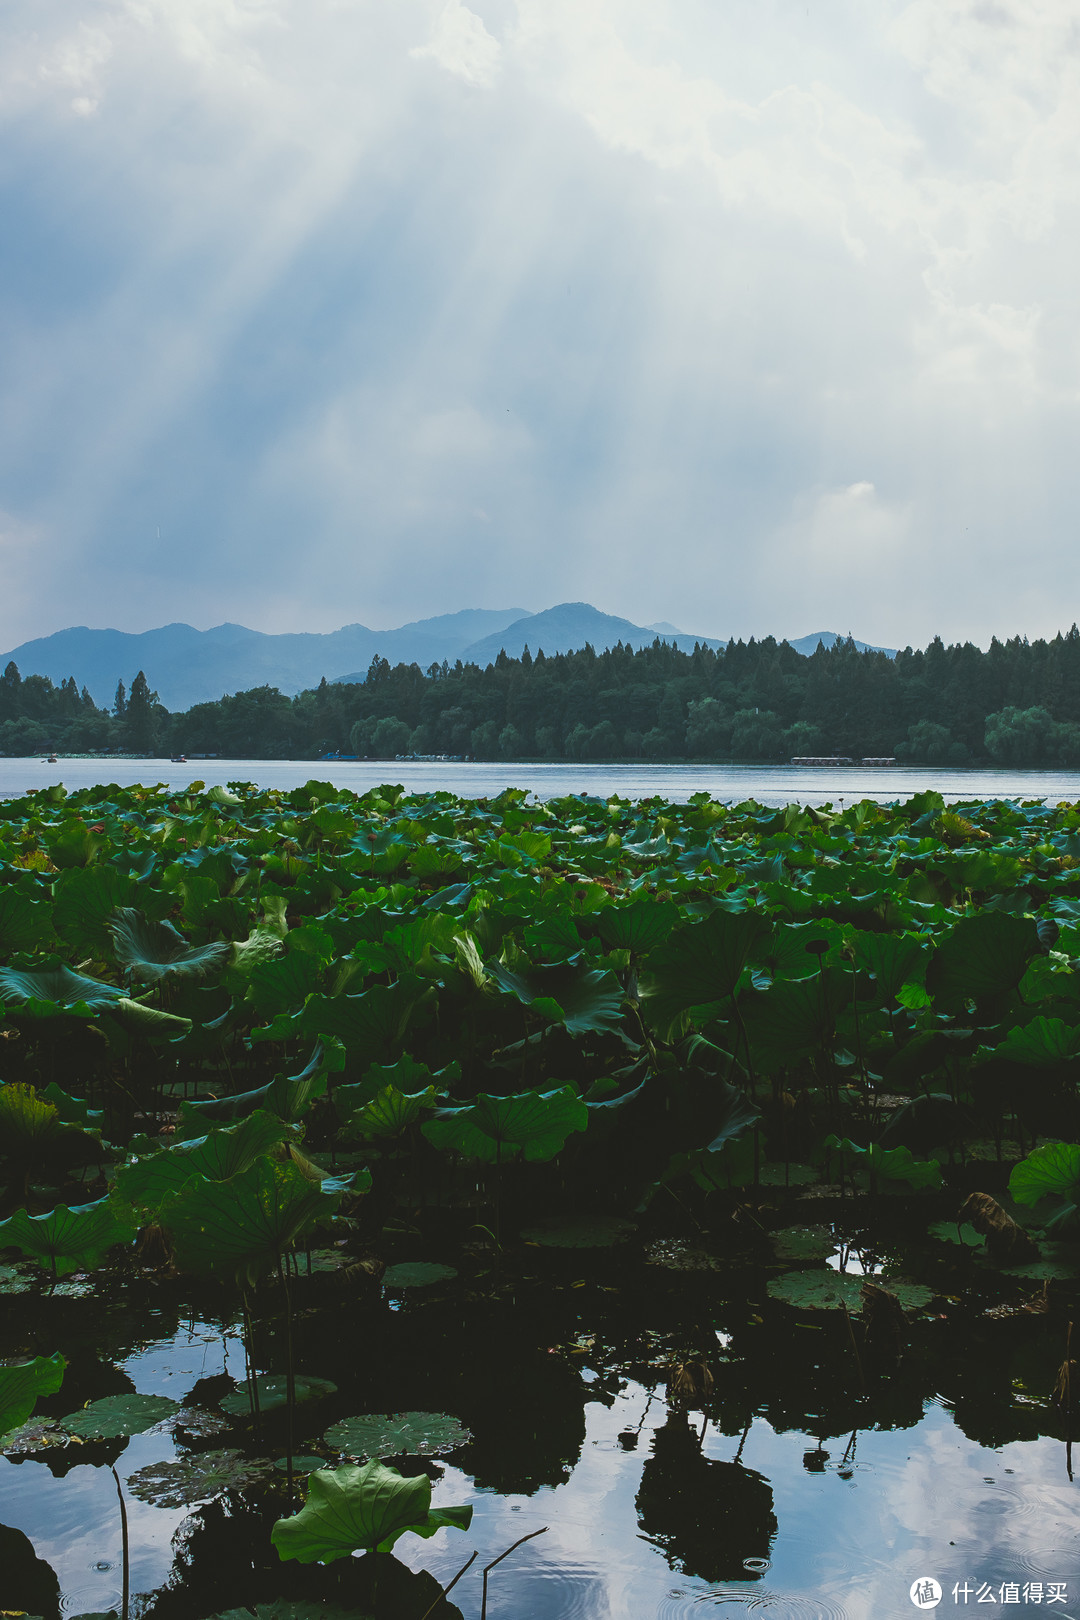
186	666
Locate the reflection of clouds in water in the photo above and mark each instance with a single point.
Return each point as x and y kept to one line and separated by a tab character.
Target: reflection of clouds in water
846	1546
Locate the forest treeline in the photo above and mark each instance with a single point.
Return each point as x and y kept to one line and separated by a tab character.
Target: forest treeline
1016	704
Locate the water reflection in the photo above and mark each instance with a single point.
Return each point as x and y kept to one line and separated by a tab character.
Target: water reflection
709	1518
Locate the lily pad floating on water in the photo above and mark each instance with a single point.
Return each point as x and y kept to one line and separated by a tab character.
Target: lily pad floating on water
116	1417
828	1290
578	1231
676	1255
393	1434
804	1243
13	1281
197	1477
949	1232
416	1274
39	1434
273	1392
300	1465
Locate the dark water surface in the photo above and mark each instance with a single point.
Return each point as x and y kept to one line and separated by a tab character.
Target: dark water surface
790	1493
768	784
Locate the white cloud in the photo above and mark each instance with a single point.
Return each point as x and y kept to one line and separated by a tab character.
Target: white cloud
461	44
655	303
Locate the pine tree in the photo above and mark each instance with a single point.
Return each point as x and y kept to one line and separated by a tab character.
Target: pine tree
120	701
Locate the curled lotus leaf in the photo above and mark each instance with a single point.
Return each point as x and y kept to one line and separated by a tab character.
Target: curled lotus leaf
150	951
395	1434
349	1509
197	1477
273	1391
417	1274
67	1239
116	1417
578	1231
21	1384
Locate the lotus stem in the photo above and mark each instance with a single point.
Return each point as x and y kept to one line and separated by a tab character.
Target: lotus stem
126	1548
489	1567
433	1606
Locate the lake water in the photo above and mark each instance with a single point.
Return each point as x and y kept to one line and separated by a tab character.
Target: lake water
768	784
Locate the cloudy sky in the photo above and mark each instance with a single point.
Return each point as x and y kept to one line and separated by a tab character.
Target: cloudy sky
756	318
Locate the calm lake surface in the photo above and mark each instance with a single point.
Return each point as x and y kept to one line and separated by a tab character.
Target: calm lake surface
768	784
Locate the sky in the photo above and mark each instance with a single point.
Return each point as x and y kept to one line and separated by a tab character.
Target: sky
758	318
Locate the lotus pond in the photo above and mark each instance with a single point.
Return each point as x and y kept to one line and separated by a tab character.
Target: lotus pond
681	1200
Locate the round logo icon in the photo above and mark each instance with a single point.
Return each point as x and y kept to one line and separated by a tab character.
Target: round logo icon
925	1593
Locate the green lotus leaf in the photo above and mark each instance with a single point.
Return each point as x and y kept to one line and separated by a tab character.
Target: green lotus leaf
893	959
21	1384
284	983
585	1000
73	1110
66	1239
496	1128
396	1434
1051	1170
368	1507
286	1096
793	1018
13	1281
273	1390
700	964
222	1154
151	951
416	1274
391	1112
985	955
116	1417
30	1127
59	984
198	1476
891	1164
949	1232
1043	1043
243	1225
804	1243
640	927
85	901
578	1231
829	1290
25	923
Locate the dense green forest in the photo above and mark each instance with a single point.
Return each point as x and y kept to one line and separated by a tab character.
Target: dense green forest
1016	704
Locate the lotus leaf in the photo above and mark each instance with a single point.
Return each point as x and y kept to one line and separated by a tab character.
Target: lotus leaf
85	901
396	1434
368	1507
578	1231
66	1239
1053	1169
640	927
892	1164
13	1281
585	1000
804	1243
1043	1043
243	1225
21	1384
828	1290
151	951
496	1128
222	1154
965	1236
273	1391
700	964
25	923
416	1274
116	1417
60	985
391	1112
197	1477
985	955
